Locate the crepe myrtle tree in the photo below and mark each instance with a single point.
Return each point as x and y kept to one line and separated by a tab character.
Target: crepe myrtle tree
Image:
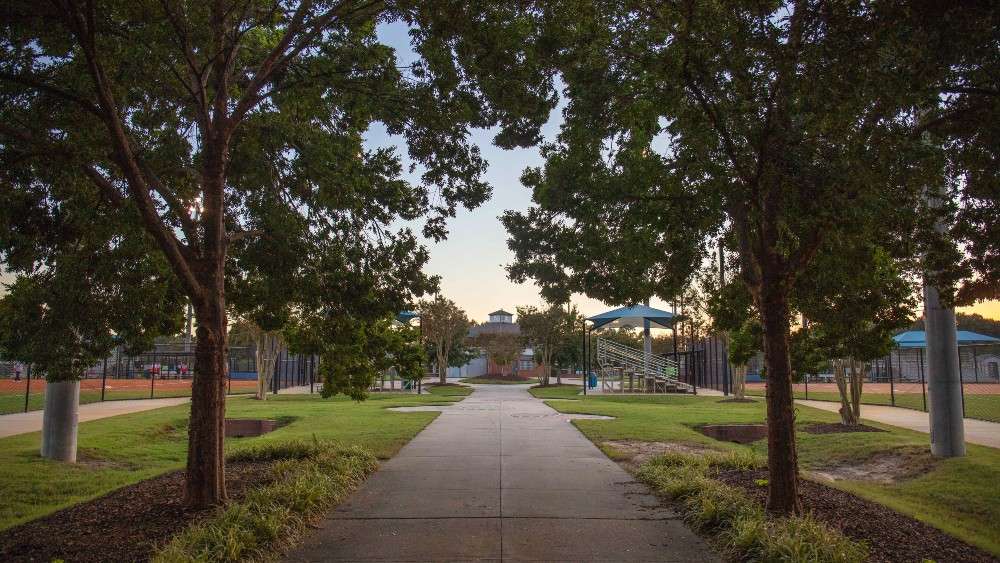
183	112
83	291
545	331
443	324
502	348
772	125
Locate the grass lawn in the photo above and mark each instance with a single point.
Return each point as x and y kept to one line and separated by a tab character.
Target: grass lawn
488	380
958	495
557	391
448	390
981	407
121	450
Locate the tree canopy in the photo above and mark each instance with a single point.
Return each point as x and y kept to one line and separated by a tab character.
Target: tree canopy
235	132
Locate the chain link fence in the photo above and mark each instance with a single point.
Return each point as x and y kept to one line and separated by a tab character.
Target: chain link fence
166	371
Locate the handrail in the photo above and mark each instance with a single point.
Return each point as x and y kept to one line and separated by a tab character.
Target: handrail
613	356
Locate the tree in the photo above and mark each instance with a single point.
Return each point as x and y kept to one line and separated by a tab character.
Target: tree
723	120
545	330
443	324
856	296
267	346
77	297
501	347
213	121
742	345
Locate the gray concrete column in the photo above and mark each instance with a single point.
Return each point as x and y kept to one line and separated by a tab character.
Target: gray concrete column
944	384
60	420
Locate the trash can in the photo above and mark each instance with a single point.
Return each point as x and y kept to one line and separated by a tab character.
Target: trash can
592	380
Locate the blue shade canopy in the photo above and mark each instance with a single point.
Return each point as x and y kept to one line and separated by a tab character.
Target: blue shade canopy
633	317
406	316
918	339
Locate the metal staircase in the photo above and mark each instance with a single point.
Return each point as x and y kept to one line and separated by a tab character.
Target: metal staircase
624	369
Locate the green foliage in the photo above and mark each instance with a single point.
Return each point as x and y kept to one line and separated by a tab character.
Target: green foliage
353	353
745	342
501	347
86	291
856	295
551	333
128	448
954	496
739	523
305	480
443	324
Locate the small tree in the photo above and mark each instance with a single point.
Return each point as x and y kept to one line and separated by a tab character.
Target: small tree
545	330
67	316
443	324
501	347
743	344
267	345
856	296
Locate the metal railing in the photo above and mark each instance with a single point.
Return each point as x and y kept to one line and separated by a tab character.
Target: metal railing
634	370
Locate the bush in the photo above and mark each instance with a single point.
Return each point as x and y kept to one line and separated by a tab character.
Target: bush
740	524
307	478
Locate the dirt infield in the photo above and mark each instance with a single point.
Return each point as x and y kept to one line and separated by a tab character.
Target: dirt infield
12	393
9	386
883	388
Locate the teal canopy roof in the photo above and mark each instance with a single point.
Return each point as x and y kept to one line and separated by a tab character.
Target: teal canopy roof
633	317
406	316
918	339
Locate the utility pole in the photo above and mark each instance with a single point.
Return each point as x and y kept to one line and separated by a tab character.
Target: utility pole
944	378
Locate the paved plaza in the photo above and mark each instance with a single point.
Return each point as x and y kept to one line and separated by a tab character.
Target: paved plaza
501	476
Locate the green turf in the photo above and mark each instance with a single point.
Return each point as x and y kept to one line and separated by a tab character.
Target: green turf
449	390
958	496
556	391
487	380
121	450
981	407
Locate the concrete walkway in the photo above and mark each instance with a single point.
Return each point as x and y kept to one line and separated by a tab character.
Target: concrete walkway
979	432
501	477
24	422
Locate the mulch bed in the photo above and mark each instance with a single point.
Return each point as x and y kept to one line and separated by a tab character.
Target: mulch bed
837	428
891	536
125	525
739	433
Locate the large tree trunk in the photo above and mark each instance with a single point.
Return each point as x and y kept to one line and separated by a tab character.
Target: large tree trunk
205	483
782	459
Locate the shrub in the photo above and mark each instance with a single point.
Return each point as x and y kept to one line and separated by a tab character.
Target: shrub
741	526
306	477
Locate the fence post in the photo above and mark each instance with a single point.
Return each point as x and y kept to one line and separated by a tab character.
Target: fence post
892	386
923	384
806	377
975	364
104	377
27	388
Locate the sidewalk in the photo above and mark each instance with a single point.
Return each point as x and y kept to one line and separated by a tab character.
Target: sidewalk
501	476
24	422
979	432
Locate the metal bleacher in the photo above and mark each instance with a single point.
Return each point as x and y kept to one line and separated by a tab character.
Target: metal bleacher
624	369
